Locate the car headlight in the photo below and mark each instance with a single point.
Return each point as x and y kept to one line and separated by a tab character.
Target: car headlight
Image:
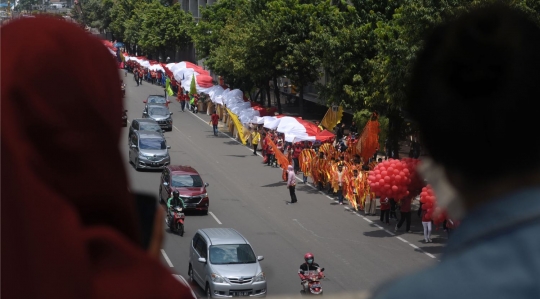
260	277
205	195
217	278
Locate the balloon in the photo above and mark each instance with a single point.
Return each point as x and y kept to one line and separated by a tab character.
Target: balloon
387	179
391	168
394	188
381	181
387	187
384	173
401	173
424	207
378	177
429	211
423	199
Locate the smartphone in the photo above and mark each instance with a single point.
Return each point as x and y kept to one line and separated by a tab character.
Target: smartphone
146	207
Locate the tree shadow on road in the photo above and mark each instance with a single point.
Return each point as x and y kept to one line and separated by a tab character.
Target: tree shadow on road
307	189
275	184
377	233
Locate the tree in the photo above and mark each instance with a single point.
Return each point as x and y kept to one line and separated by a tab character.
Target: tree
163	27
25	5
95	13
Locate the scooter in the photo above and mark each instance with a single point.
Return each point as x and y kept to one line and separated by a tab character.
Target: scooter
313	279
176	224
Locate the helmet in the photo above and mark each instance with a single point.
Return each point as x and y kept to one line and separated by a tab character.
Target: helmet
176	193
309	258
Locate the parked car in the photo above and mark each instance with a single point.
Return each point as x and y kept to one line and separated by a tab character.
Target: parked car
157	99
160	114
143	124
222	262
187	181
148	150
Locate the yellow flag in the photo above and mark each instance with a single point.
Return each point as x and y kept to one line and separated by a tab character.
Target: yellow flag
239	127
332	118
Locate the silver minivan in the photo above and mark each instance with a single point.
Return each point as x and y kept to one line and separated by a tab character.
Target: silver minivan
223	263
148	150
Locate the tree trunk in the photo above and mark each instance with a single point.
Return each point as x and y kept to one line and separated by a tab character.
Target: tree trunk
263	95
394	130
268	94
276	92
301	103
257	95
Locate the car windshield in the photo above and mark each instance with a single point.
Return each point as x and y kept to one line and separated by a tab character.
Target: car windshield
156	100
150	127
159	111
152	143
231	254
187	180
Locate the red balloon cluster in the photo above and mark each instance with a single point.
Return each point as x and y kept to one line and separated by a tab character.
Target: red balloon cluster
390	179
416	180
429	205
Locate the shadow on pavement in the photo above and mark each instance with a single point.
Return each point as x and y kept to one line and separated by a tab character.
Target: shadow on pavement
307	189
379	233
433	249
238	156
275	184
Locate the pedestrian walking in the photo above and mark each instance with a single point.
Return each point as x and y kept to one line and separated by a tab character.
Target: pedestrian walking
214	119
255	138
405	214
385	210
426	223
339	175
393	207
291	183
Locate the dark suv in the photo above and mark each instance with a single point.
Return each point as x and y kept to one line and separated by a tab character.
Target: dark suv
187	181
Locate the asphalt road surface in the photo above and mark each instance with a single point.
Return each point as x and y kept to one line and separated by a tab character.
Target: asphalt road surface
359	253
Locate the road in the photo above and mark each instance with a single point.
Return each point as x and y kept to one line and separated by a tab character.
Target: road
357	253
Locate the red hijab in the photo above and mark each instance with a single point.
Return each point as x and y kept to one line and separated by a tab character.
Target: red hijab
69	227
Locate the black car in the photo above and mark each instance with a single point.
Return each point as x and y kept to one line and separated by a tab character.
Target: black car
160	114
143	124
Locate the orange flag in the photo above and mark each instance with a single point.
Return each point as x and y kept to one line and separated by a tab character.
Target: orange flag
369	139
280	157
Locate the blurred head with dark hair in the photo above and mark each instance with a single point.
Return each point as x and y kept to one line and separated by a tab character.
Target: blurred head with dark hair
473	92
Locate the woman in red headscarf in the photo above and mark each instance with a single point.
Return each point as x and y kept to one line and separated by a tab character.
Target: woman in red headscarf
63	238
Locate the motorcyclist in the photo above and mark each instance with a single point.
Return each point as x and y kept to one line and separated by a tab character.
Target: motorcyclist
309	265
174	201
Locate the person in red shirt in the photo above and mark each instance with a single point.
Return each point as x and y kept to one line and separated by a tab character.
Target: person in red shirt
296	154
405	213
385	210
214	119
153	74
158	76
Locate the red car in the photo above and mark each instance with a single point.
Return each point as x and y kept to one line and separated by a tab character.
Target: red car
157	99
187	181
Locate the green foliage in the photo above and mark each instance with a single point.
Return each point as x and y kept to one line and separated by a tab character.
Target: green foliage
160	27
193	86
26	4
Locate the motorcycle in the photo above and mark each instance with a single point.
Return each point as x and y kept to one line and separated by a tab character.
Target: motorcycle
176	222
313	279
124	119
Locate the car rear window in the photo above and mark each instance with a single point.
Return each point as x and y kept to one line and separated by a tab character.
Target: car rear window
159	111
187	180
150	127
152	143
156	100
232	254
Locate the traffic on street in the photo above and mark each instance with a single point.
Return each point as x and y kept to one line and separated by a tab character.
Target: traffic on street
241	193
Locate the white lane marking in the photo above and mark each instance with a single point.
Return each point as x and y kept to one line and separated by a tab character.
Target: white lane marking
376	225
310	185
400	238
176	128
428	254
167	258
217	220
414	246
